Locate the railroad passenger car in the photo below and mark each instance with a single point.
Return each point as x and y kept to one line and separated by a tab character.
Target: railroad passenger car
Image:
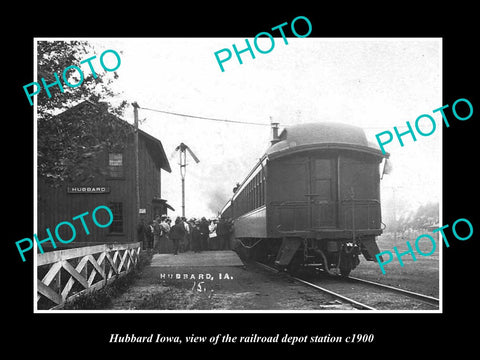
312	200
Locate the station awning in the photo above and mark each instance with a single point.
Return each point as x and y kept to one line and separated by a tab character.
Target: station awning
157	200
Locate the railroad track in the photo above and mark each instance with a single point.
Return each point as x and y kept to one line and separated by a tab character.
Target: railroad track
368	295
425	298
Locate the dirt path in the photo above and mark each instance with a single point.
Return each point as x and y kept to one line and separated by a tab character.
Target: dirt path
220	288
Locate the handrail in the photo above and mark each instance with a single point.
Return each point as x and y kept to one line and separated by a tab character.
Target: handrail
376	201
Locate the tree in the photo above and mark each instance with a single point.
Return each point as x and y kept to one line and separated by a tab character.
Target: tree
68	145
55	56
426	215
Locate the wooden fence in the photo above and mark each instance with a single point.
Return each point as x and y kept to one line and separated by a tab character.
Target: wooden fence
64	275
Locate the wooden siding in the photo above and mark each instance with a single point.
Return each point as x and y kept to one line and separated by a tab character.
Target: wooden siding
56	205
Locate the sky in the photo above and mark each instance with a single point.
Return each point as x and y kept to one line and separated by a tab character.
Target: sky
372	83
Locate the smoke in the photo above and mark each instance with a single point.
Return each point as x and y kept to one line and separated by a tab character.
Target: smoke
216	200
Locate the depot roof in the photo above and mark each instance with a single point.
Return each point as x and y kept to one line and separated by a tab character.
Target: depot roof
153	144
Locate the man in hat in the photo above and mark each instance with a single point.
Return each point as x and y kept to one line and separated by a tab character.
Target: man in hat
186	239
165	230
177	233
222	234
196	237
204	233
157	233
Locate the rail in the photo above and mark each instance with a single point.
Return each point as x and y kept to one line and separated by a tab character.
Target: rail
355	303
422	297
64	275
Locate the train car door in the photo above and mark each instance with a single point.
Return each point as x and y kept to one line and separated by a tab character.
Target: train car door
323	192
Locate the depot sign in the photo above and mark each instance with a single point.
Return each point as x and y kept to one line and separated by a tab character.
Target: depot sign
88	189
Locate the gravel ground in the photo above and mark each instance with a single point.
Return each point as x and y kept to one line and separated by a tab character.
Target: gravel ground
422	275
223	288
253	288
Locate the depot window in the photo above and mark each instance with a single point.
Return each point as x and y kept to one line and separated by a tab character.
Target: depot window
115	165
117	223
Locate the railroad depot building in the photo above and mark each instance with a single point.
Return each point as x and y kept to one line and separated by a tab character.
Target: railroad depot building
112	183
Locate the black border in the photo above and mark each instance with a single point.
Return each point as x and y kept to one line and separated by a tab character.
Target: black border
398	332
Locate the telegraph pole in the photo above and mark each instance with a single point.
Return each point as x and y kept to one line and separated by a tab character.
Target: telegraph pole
182	150
137	170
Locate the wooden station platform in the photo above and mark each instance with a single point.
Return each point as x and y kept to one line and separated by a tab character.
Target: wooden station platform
204	258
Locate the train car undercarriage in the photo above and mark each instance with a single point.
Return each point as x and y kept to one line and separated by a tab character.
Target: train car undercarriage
294	254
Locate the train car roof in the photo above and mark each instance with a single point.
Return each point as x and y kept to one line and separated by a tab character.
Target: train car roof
322	135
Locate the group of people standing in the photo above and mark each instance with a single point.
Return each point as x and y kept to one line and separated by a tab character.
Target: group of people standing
185	235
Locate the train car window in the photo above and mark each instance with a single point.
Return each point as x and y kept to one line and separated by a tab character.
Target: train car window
243	201
249	196
254	198
324	189
254	188
252	194
361	175
240	203
262	198
323	179
257	190
263	191
264	182
323	168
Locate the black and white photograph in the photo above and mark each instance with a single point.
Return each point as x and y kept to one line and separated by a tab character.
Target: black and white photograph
254	186
197	182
